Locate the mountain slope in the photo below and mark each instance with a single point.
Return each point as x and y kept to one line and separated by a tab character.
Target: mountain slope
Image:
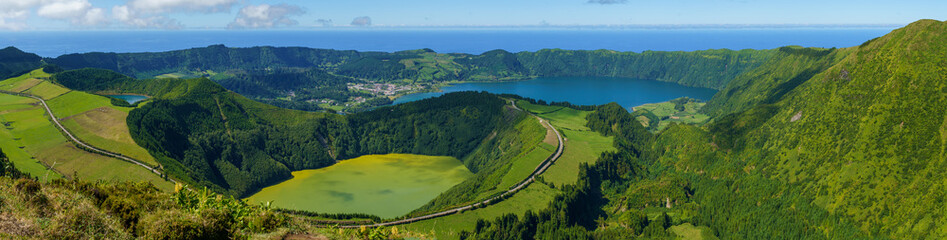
14	62
709	68
815	144
863	138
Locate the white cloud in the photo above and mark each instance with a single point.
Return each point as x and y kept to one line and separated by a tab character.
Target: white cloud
95	16
77	12
131	18
13	13
164	6
266	16
154	13
64	9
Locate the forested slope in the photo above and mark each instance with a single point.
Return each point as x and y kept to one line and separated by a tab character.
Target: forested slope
708	68
14	62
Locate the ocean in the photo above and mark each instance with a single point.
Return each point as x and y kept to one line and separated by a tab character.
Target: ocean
474	41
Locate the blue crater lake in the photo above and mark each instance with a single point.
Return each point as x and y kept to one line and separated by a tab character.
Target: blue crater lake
131	99
627	92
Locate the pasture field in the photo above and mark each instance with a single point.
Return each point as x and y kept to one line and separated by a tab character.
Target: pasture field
105	128
667	114
23	82
582	144
14	112
388	185
36	143
523	166
581	147
31	129
77	102
689	231
47	90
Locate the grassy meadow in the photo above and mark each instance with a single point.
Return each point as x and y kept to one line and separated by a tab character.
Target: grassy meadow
35	144
388	185
582	144
667	114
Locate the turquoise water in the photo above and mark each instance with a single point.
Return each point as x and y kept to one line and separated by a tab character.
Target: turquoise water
131	99
628	92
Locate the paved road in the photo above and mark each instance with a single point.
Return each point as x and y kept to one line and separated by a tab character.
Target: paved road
83	144
539	170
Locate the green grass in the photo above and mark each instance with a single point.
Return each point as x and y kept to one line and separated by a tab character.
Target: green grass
21	159
690	232
105	128
522	166
581	147
561	117
385	185
93	119
23	82
34	143
31	129
582	144
47	90
19	84
667	114
534	198
535	108
77	102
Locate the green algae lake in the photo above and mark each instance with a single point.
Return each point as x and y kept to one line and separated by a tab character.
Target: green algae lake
388	186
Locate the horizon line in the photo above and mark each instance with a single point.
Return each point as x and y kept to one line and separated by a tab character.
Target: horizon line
497	27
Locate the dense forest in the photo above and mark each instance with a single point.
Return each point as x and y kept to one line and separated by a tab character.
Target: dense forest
708	68
14	62
816	144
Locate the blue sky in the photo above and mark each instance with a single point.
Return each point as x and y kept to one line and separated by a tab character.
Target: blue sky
298	14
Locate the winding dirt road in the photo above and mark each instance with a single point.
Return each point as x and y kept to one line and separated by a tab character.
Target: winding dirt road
532	177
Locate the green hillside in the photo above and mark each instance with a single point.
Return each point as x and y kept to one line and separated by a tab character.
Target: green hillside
707	68
14	62
814	144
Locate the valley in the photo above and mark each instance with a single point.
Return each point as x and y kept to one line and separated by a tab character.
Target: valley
796	143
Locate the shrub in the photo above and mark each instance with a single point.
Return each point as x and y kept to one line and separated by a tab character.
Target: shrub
175	224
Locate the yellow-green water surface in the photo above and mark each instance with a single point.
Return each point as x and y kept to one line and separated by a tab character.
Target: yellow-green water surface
388	185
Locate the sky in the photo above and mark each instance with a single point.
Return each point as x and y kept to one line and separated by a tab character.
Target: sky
27	15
